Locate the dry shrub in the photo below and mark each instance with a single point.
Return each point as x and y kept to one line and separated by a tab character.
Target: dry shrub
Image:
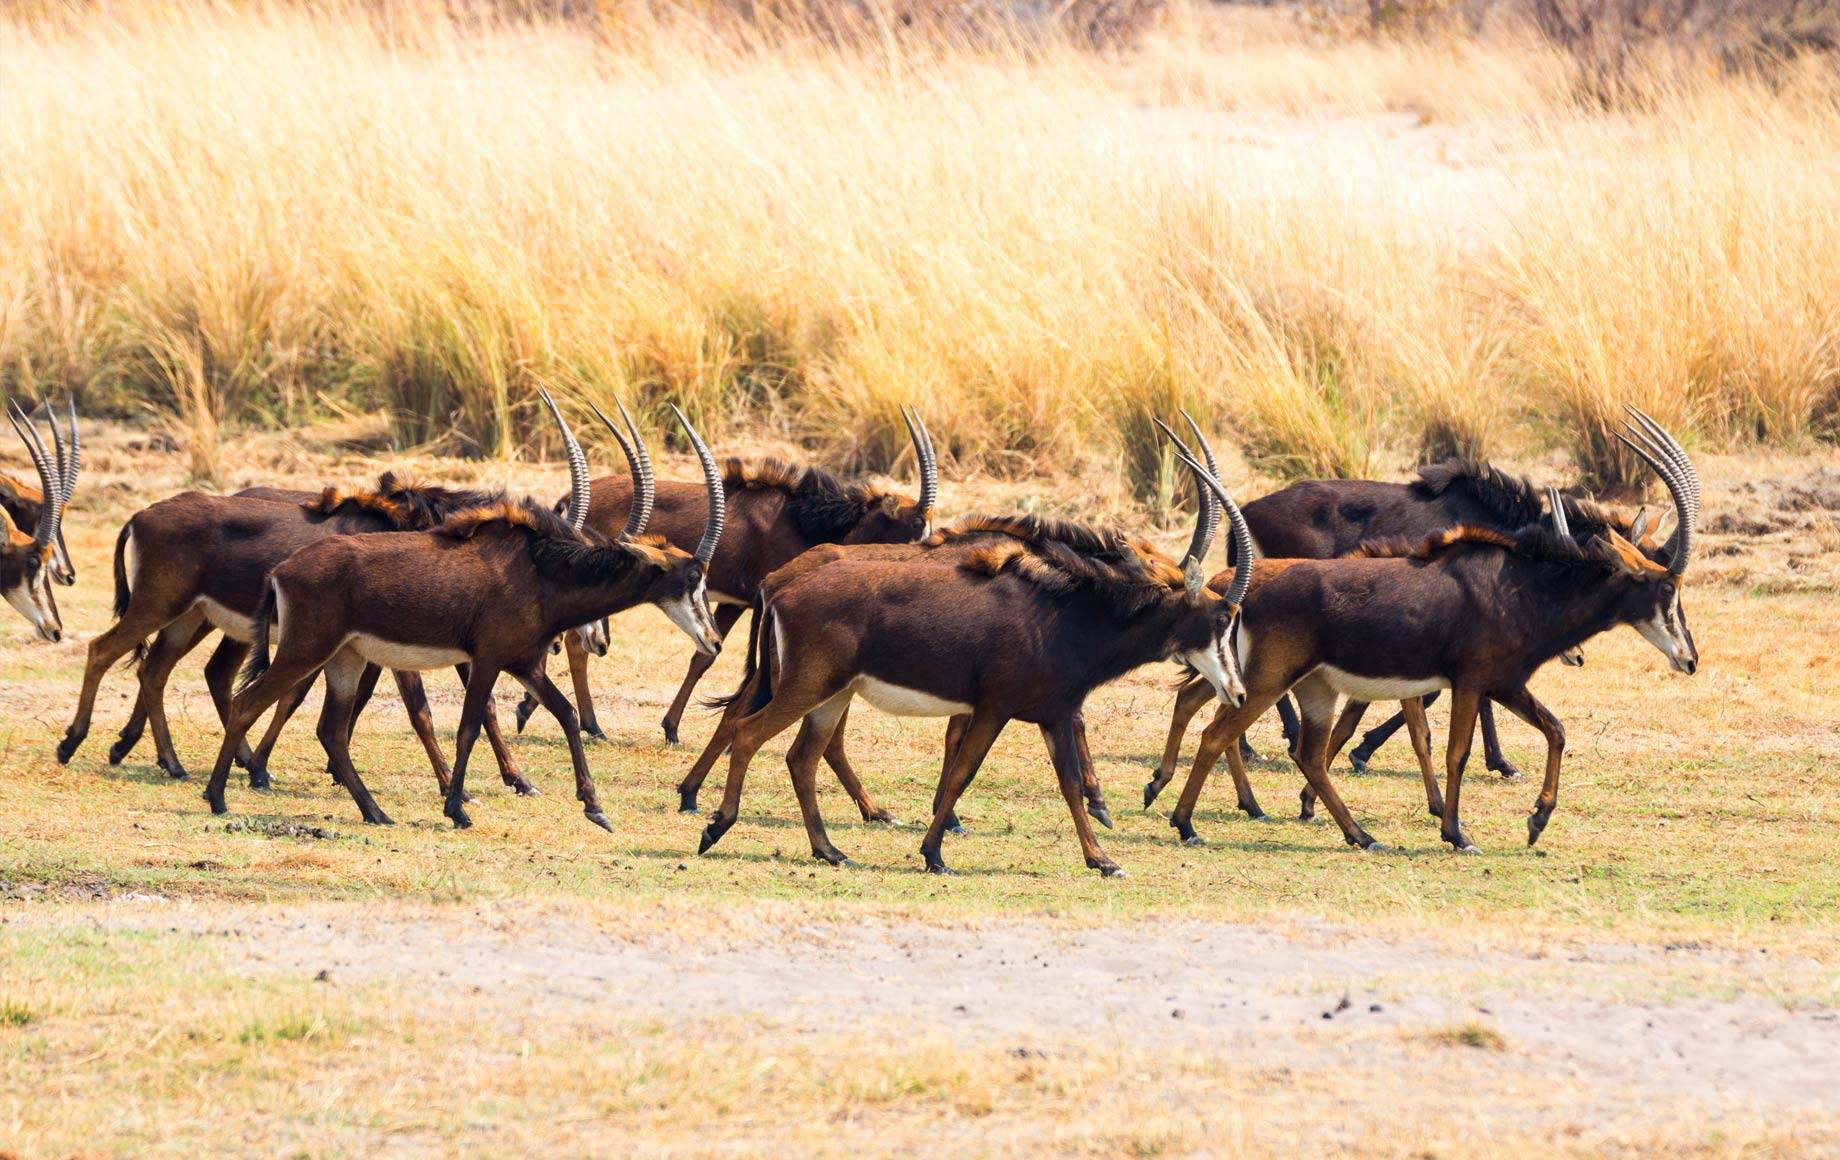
434	215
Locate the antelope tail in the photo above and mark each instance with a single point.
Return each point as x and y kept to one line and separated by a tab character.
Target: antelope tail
258	653
122	593
756	665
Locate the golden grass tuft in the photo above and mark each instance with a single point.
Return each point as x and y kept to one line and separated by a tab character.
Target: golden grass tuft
1342	253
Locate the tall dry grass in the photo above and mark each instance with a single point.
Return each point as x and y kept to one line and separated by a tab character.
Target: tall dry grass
1343	255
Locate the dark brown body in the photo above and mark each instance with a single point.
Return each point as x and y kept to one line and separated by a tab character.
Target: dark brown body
491	588
1021	628
196	562
1325	518
938	550
1477	614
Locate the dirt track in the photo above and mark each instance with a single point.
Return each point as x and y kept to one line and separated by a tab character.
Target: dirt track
1306	998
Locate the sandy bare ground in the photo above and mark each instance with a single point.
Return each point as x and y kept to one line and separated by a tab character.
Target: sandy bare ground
1604	1017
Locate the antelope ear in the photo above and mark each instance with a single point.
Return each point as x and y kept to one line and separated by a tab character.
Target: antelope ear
1194	581
1626	558
891	506
10	535
1638	527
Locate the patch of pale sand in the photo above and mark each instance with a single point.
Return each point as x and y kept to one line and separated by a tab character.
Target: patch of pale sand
1313	998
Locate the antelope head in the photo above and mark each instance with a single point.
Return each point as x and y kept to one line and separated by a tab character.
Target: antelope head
1204	641
28	564
1651	573
894	520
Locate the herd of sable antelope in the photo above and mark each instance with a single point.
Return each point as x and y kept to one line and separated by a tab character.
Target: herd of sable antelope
1467	579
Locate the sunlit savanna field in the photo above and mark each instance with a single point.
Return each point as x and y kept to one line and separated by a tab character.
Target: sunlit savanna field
276	247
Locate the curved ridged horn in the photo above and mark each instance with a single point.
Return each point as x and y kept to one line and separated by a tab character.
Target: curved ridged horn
718	499
68	465
578	467
1561	526
1676	455
1682	542
1213	466
639	462
49	483
1207	514
924	454
1242	533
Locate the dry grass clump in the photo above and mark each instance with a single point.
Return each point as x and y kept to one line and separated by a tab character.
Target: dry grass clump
245	215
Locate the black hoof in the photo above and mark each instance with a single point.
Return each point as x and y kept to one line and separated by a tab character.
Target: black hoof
1111	870
217	802
1509	771
1185	830
1252	810
460	819
66	748
121	749
1536	825
523	789
1098	813
934	866
1151	789
595	737
522	714
833	857
382	819
599	819
670	730
1194	840
712	833
174	772
258	779
955	828
686	802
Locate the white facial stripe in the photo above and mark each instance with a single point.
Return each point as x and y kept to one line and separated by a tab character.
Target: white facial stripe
1211	665
1655	631
33	600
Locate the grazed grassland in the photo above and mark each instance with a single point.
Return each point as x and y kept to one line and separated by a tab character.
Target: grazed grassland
535	986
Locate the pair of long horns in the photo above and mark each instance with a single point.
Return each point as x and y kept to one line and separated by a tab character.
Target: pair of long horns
1666	458
1213	497
925	456
645	487
57	473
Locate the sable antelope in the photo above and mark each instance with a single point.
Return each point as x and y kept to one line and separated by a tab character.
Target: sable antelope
24	505
947	549
491	588
1473	610
1320	519
1323	518
776	511
401	506
195	562
29	560
1013	631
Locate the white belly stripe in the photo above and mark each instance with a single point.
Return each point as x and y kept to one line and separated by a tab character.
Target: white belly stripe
229	623
417	658
899	701
1380	688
